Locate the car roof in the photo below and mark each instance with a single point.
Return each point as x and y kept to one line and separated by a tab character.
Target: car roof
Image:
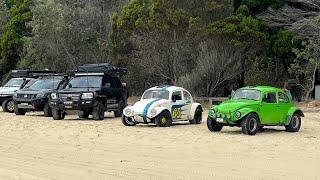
263	88
168	88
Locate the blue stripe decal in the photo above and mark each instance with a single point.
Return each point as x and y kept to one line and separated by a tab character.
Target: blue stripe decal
145	111
165	87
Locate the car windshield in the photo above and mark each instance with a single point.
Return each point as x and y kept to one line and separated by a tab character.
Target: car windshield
156	94
85	82
14	83
247	94
46	84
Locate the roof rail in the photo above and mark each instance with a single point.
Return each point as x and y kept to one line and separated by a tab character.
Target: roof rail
31	73
105	68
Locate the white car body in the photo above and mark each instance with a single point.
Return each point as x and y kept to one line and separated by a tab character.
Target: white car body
145	110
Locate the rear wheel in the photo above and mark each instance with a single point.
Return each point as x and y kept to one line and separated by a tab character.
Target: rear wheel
163	119
98	112
121	106
57	115
250	124
8	105
212	125
18	111
128	121
295	123
47	110
197	119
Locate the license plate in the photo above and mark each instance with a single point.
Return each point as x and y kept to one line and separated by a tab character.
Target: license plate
68	103
219	120
25	104
68	107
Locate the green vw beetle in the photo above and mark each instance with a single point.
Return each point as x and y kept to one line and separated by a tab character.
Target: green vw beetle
251	108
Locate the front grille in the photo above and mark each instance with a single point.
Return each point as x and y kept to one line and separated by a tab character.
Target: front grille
69	97
26	96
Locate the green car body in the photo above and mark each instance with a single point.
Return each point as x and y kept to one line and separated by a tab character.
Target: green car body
270	106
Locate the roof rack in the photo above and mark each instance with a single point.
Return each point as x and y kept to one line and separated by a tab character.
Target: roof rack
31	73
100	69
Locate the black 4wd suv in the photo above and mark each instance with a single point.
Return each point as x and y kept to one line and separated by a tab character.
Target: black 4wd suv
96	88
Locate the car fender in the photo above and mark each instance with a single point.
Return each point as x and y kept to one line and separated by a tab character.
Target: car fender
159	110
290	113
193	109
244	112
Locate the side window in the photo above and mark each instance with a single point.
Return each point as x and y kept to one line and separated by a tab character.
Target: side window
283	98
177	96
269	97
186	96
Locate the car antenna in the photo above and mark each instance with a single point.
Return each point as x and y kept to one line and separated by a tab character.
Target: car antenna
87	79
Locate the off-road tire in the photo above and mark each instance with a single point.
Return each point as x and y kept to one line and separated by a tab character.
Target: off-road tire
47	110
197	119
18	111
295	123
213	126
159	120
83	115
98	112
119	112
127	121
8	105
57	114
250	124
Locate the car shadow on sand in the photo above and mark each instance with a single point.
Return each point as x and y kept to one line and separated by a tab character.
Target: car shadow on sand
262	131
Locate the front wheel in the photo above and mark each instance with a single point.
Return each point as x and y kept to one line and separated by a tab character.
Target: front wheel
163	119
121	106
295	123
57	115
47	110
197	119
212	125
250	124
128	121
18	111
98	112
8	105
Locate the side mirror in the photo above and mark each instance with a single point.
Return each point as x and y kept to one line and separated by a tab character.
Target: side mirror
107	85
174	100
70	86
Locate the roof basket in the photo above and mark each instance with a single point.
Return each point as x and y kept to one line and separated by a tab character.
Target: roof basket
31	73
105	68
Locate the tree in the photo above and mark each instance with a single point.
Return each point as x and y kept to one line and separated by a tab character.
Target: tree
14	30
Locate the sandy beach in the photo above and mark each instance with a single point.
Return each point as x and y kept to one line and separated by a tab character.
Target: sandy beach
35	147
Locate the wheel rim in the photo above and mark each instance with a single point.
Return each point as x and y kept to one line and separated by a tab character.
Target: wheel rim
252	124
10	106
163	120
128	120
295	122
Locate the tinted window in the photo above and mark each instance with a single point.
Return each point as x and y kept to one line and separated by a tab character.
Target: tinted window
156	94
46	84
177	96
270	97
85	82
283	98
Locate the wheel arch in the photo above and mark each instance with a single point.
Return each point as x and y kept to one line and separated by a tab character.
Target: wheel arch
193	109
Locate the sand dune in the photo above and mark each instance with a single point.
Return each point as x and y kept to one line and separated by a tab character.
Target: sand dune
35	147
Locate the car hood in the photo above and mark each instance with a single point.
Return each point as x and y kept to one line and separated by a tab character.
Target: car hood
141	106
34	91
8	90
233	105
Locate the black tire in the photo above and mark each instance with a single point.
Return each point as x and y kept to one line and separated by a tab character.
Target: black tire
213	126
119	112
295	123
127	121
47	110
18	111
164	119
57	115
197	119
83	114
98	112
8	105
250	124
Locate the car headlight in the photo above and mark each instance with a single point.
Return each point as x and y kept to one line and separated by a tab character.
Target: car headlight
54	96
212	111
39	95
87	96
153	112
127	112
238	114
15	94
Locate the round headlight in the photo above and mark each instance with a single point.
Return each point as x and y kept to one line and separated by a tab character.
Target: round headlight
238	114
127	112
223	116
153	112
54	96
212	111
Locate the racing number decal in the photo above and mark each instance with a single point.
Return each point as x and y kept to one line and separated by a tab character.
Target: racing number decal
176	113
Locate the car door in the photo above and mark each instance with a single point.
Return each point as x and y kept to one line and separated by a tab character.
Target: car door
177	105
284	106
187	99
269	108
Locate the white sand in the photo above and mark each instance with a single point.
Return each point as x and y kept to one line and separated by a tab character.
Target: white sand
35	147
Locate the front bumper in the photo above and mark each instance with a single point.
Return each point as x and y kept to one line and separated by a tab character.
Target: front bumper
31	104
72	105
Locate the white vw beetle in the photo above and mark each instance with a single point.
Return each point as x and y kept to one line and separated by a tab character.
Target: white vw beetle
162	106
